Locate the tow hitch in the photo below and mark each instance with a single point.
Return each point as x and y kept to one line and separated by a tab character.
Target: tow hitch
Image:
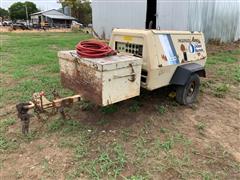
40	104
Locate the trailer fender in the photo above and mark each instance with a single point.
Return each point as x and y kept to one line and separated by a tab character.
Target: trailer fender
183	73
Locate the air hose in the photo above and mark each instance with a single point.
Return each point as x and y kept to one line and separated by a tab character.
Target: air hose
94	49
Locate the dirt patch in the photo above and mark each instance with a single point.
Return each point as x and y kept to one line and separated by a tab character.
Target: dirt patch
215	47
38	159
221	119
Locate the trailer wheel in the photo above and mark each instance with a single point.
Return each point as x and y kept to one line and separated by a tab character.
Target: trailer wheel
187	94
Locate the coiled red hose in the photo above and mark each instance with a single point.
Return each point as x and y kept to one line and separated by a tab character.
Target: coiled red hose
94	49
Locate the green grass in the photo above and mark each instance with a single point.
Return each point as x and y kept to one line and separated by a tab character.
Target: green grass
102	122
135	106
167	144
237	73
223	65
200	127
108	163
55	125
86	105
6	123
223	57
206	175
136	177
225	71
161	109
109	109
221	90
31	63
5	142
141	150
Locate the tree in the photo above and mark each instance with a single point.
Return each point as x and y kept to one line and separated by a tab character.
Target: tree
18	10
81	9
4	13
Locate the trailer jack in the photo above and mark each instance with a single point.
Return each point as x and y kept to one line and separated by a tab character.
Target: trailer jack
40	104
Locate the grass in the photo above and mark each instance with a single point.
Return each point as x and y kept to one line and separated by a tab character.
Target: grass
135	106
225	70
167	144
163	130
47	169
109	109
108	163
126	134
36	68
138	177
224	57
206	175
161	109
6	123
221	90
237	74
141	150
6	143
200	127
55	125
102	122
86	105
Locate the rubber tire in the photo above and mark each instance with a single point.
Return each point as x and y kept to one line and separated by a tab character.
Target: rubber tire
181	94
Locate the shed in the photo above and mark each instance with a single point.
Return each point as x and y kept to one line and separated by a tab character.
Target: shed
51	18
216	18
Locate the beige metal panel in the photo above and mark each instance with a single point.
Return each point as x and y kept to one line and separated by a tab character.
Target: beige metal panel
182	44
174	32
162	76
101	80
130	36
118	84
195	39
152	50
80	78
160	71
145	31
102	64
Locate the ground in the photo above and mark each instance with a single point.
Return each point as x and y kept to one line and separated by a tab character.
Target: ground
148	137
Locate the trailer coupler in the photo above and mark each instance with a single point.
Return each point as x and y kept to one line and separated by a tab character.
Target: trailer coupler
40	104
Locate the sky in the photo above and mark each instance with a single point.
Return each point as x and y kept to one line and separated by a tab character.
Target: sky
41	4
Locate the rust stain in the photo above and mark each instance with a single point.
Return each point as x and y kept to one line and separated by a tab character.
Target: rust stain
182	47
84	82
164	57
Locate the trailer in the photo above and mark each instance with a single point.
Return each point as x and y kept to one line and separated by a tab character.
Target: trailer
135	59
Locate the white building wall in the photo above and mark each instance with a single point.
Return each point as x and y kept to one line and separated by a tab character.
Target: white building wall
172	15
117	14
218	19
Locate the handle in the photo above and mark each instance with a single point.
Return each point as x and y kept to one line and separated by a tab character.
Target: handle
132	75
122	76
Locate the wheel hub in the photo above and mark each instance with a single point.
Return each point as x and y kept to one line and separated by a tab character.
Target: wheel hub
191	89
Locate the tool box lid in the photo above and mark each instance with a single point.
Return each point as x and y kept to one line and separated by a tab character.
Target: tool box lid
102	64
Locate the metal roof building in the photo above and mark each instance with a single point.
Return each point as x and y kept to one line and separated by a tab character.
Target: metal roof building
218	19
52	18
